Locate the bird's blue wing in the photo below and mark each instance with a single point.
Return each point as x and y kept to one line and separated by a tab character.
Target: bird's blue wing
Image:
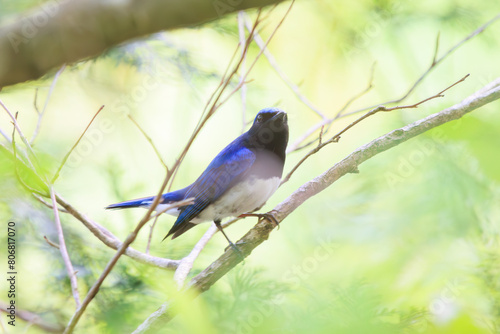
223	172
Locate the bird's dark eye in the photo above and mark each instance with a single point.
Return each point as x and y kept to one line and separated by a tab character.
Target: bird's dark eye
260	118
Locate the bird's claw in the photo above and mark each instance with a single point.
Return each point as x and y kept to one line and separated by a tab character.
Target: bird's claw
272	219
269	216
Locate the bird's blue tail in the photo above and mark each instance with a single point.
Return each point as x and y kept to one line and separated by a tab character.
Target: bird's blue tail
145	202
135	203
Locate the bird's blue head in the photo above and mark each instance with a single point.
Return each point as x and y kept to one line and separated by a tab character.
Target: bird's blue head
270	130
272	118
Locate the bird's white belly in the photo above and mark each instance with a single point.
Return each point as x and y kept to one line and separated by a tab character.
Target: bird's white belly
244	197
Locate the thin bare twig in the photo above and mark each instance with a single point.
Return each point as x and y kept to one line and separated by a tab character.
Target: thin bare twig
187	262
211	105
148	245
274	64
436	50
56	175
42	113
243	91
51	243
35	101
252	33
148	138
47	204
23	138
214	104
434	63
369	86
34	319
328	122
186	201
372	112
412	106
15	157
320	137
228	73
64	251
16	160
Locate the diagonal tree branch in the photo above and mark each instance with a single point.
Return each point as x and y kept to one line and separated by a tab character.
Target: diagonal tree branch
261	231
65	31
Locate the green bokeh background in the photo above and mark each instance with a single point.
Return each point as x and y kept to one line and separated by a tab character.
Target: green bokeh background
408	245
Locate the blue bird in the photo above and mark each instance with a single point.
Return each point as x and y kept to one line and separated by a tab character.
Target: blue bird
240	179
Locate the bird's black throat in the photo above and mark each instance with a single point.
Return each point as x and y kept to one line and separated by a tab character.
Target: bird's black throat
269	135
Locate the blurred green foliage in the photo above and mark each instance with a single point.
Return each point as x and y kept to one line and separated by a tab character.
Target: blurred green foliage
409	245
